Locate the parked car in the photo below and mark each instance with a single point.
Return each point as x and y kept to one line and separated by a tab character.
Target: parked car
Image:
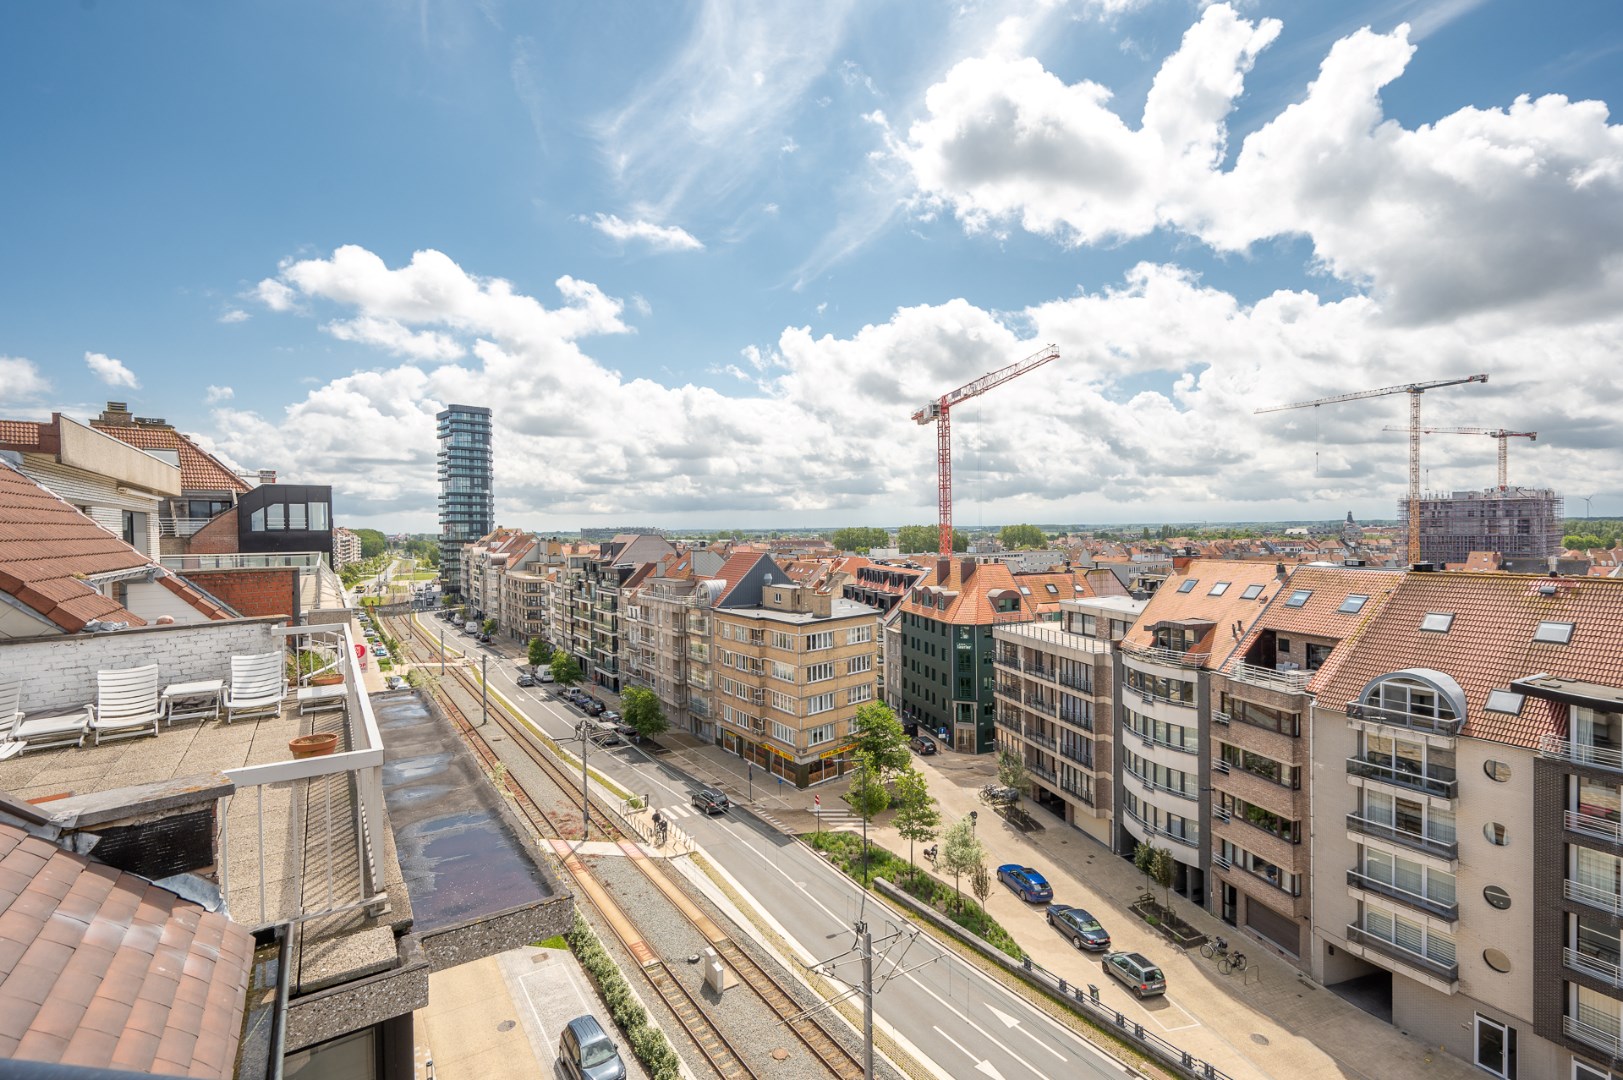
545	675
395	682
379	650
593	707
526	679
923	745
1135	970
484	639
711	801
1080	927
1027	883
587	1053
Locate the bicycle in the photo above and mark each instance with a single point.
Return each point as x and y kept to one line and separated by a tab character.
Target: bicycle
1234	961
1215	946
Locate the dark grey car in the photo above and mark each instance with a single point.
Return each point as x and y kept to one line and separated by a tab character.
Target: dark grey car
587	1053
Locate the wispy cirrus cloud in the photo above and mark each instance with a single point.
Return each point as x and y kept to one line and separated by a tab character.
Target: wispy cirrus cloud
658	237
111	371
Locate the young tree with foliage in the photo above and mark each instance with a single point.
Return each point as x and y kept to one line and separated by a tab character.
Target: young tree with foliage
961	853
1011	771
860	539
565	672
868	797
877	734
916	538
918	819
980	883
540	653
1018	537
639	707
489	626
1144	860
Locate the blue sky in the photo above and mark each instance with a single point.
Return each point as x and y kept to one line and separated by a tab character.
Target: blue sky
703	260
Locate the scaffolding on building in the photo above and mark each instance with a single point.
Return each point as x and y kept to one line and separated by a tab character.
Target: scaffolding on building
1517	522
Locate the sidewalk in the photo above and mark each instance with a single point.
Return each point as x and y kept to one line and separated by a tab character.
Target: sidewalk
1272	1023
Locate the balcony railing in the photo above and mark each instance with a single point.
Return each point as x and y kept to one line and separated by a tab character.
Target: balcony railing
1077	754
1220	717
1590	825
1176	657
1594	896
1076	792
1607	971
1076	718
1605	757
1380	714
1047	708
1403	778
1079	683
1607	1038
1443	849
1042	771
1448	912
1047	742
1271	678
1402	954
1010	723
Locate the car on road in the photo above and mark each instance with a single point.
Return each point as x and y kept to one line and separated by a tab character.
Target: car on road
1136	972
1079	927
1027	883
484	639
711	801
379	650
526	679
923	745
544	675
593	707
587	1053
395	682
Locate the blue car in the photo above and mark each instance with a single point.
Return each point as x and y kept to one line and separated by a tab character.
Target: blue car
1031	886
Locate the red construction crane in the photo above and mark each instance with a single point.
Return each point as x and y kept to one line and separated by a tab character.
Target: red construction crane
940	411
1501	434
1414	390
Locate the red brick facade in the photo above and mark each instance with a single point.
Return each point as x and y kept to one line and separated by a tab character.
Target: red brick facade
218	537
270	591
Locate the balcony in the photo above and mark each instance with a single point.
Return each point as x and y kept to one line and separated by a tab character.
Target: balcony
1047	742
1042	772
1426	845
1076	718
1605	757
1448	912
1607	829
1077	793
1378	714
1607	900
1289	682
1077	755
1047	708
1080	683
1403	778
1158	655
1607	971
1011	723
1447	972
1607	1038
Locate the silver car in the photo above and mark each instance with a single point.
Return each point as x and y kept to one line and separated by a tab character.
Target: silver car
1135	970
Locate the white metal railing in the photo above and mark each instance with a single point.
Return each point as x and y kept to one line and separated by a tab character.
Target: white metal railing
1605	828
1594	896
361	763
170	525
1048	634
1607	1038
1161	655
1271	678
1605	970
244	560
1583	753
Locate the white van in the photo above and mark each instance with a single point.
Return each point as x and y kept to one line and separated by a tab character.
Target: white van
543	674
471	627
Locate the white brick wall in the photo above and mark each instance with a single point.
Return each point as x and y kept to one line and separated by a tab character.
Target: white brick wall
60	672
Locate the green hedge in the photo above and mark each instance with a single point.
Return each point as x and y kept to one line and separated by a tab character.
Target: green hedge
844	850
646	1041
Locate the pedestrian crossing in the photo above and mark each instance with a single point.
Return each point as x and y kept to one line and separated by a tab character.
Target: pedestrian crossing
832	818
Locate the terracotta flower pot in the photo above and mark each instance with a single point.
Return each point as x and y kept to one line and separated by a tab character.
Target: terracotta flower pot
331	679
318	745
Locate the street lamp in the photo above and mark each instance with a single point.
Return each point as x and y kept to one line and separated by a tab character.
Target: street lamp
974	815
585	791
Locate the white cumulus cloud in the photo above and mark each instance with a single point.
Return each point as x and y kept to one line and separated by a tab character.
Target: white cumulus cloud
110	371
20	380
396	339
216	394
659	237
235	315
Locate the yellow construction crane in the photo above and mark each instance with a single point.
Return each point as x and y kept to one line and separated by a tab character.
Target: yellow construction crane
1501	434
1414	390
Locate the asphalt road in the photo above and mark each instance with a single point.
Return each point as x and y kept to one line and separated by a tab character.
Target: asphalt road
949	1015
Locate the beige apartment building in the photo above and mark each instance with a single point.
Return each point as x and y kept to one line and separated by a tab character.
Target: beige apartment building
668	638
1056	706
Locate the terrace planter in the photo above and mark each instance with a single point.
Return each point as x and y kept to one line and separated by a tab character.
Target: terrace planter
309	746
332	679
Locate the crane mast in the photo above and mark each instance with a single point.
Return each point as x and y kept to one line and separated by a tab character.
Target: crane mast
1414	390
939	412
1500	434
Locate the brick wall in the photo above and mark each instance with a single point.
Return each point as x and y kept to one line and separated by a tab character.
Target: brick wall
218	537
60	672
254	592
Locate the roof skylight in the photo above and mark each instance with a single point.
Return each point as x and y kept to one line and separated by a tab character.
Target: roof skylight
1353	604
1251	592
1298	598
1219	589
1189	586
1505	701
1438	622
1554	633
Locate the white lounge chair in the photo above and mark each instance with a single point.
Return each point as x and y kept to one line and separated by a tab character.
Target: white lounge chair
11	705
128	703
258	685
47	729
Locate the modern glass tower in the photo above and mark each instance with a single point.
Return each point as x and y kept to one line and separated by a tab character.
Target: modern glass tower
467	501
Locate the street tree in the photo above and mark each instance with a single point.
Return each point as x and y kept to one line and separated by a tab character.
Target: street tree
868	797
489	626
1162	866
639	706
540	653
918	819
980	883
565	672
877	734
1016	537
1144	861
961	852
1011	771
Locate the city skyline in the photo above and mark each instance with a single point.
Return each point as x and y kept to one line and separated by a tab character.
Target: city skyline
704	267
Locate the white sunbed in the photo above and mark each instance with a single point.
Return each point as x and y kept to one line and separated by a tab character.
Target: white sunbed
258	685
128	703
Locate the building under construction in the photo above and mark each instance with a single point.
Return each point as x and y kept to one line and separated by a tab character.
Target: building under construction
1522	524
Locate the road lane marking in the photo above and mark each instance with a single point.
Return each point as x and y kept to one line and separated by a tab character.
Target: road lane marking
1014	1021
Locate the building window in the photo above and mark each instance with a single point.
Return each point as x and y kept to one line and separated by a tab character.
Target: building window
1437	622
821	703
1496	897
858	635
782	671
860	694
822	733
858	664
1251	592
820	672
1189	586
823	640
1504	701
1554	633
1353	604
1298	598
783	733
783	641
1220	588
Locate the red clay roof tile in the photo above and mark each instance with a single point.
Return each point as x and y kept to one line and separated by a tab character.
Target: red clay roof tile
199	470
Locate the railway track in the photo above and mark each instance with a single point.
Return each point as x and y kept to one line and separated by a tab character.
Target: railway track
700	1027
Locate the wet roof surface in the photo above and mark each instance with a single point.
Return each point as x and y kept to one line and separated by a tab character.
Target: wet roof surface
460	858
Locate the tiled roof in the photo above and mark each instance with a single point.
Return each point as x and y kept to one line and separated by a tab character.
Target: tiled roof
199	470
22	434
1319	615
973	601
1489	644
734	570
1168	605
103	969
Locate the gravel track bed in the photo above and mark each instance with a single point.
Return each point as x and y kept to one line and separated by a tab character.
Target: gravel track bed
751	1027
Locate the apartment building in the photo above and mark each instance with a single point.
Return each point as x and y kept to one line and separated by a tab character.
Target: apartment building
943	673
789	667
484	563
1056	706
1470	737
1164	705
667	634
467	496
1260	750
346	547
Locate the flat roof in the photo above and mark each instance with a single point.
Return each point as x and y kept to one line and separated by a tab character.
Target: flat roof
838	609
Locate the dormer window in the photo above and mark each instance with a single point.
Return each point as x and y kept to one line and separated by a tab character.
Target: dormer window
1554	633
1437	622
